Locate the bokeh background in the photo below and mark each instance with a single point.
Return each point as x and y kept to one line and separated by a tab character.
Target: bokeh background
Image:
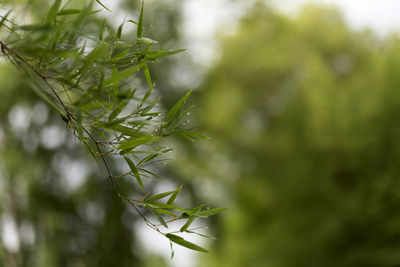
301	101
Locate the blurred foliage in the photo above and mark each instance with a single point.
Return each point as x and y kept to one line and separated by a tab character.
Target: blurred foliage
303	115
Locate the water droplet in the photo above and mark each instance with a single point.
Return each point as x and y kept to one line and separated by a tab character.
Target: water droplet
206	228
208	208
188	113
62	58
132	61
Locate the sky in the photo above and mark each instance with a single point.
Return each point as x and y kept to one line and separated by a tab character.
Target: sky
382	16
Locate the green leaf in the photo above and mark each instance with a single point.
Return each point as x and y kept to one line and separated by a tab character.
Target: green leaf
4	18
119	55
78	124
166	212
180	241
134	142
122	75
69	12
35	27
145	40
186	225
132	21
119	31
51	15
172	250
102	28
147	74
134	171
140	23
151	173
174	195
187	134
118	109
153	55
100	3
209	212
164	206
206	236
175	110
159	196
157	215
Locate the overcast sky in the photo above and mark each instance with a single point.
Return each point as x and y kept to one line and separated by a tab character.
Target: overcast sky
383	15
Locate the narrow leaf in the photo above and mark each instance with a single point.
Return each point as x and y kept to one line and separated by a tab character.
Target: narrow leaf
118	109
102	5
174	111
153	55
209	212
140	23
159	196
122	75
158	216
147	74
53	12
134	171
180	241
186	225
174	195
164	206
69	12
134	142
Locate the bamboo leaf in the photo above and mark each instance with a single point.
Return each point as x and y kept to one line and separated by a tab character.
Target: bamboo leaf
51	15
186	225
140	23
209	212
175	110
159	196
122	75
153	55
134	171
100	3
164	206
174	195
118	109
157	215
134	142
180	241
147	75
69	12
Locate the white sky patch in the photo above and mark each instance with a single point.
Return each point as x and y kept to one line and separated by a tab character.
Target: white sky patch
382	16
9	233
203	20
19	118
52	136
74	173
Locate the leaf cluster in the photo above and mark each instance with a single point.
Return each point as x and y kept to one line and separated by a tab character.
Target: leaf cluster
83	68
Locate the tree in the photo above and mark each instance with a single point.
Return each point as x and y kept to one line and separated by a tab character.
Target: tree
303	112
82	68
